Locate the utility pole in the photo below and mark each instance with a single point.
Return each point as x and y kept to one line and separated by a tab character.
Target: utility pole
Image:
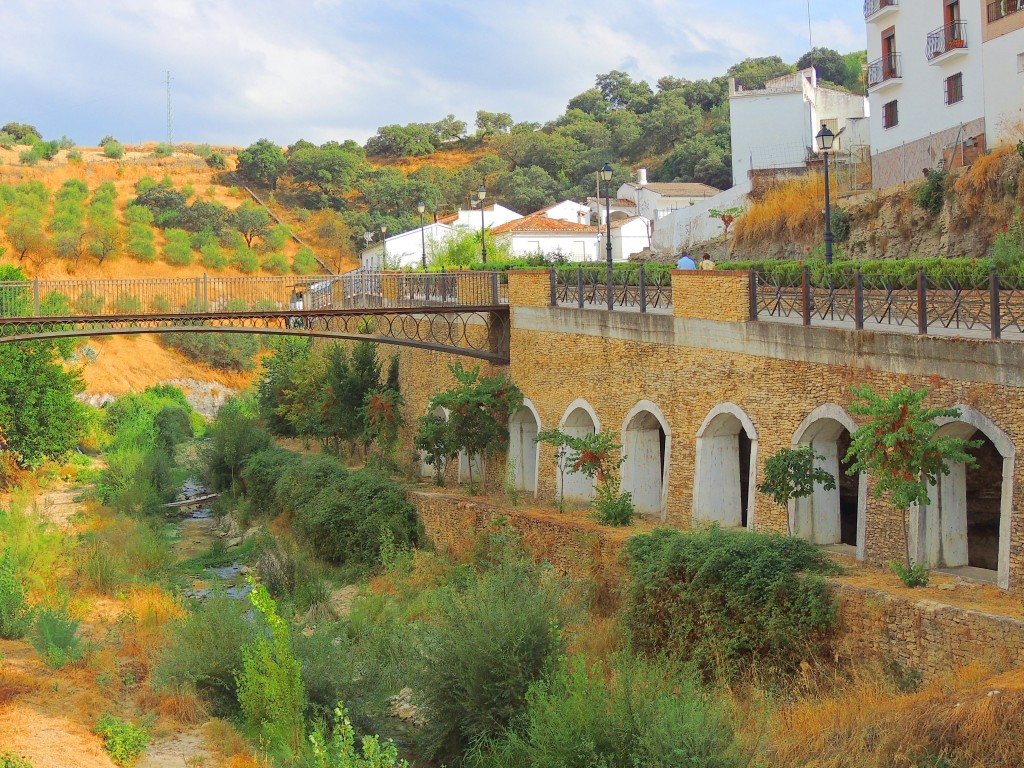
170	135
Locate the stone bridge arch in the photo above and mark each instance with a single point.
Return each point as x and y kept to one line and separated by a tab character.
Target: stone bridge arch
580	419
647	451
523	453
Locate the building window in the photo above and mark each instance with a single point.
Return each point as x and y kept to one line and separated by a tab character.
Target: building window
890	115
955	88
1020	62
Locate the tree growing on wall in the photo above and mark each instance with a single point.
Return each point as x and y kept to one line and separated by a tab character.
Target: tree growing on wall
479	408
791	474
598	456
900	448
434	438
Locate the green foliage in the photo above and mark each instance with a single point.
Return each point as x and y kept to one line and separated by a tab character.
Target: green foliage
22	132
625	714
163	150
840	223
9	759
915	575
252	221
339	751
484	648
791	473
35	426
202	150
244	260
382	411
932	192
435	439
597	456
166	203
612	507
232	439
55	637
262	163
478	410
217	161
727	601
225	351
15	613
113	149
304	262
123	740
270	690
276	264
177	247
204	651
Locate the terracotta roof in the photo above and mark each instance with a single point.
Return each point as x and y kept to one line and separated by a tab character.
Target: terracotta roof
616	223
681	189
450	218
538	222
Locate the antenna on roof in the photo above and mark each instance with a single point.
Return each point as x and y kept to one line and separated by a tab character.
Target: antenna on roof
810	34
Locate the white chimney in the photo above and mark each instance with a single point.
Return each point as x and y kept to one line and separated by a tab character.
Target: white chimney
641	177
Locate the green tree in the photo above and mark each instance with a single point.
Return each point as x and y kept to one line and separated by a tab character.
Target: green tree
262	163
828	63
623	92
252	221
22	132
479	408
791	474
755	72
490	123
330	170
899	447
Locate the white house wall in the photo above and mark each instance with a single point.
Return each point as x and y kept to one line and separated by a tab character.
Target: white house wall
1004	88
574	246
768	131
686	227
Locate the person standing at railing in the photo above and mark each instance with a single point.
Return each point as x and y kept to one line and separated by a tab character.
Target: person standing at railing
706	262
685	262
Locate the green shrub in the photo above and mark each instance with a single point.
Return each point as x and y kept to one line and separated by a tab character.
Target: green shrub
127	304
915	576
89	303
932	192
204	651
261	473
270	690
232	439
343	523
226	351
141	247
304	262
15	613
217	161
213	257
173	426
74	156
626	714
123	740
276	264
840	221
161	303
6	140
11	760
163	150
202	150
728	600
612	507
55	637
339	751
484	648
113	149
245	260
178	247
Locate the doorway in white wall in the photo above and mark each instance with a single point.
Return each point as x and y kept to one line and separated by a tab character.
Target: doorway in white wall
523	428
645	448
579	421
726	466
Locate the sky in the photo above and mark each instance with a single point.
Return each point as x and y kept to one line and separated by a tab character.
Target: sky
338	69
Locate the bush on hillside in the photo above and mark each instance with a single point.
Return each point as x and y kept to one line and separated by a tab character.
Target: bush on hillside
55	637
15	613
932	193
123	740
346	523
261	473
484	648
233	438
726	601
626	714
113	149
224	351
204	652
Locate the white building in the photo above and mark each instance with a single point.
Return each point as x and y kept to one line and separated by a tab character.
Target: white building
629	236
568	210
773	124
945	81
598	206
494	216
405	249
654	200
539	234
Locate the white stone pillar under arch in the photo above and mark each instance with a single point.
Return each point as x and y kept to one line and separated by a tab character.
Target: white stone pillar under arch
646	449
579	420
717	487
938	532
523	453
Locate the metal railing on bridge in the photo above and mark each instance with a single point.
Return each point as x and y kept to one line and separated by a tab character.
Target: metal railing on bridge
969	305
205	294
632	287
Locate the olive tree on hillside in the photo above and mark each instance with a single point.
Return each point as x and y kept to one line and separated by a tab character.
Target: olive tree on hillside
262	163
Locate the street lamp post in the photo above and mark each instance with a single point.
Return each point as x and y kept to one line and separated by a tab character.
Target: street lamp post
384	242
826	139
606	176
481	194
423	237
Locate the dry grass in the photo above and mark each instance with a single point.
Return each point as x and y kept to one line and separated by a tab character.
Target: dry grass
983	181
789	212
967	717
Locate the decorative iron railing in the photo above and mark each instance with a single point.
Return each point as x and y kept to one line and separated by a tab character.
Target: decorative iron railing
886	68
631	288
945	39
965	305
205	294
871	7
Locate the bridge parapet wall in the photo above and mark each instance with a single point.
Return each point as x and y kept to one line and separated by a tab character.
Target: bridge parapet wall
711	295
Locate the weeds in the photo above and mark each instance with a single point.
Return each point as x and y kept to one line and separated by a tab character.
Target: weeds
15	613
55	637
123	740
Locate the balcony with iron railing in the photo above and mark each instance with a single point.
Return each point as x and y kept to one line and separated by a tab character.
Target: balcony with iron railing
885	71
946	42
1001	8
877	8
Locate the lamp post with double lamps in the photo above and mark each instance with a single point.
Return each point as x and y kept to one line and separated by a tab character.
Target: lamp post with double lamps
481	194
421	207
606	176
384	242
825	140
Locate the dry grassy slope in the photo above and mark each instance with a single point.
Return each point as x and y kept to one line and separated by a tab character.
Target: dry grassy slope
888	223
